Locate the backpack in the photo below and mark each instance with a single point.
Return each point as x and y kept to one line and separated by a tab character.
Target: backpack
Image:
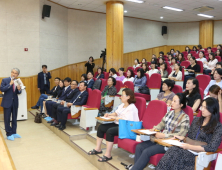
38	118
97	84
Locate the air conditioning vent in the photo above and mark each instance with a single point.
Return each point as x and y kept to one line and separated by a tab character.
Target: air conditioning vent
203	9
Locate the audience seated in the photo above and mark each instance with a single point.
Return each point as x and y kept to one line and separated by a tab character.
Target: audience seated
195	49
202	57
193	93
217	80
179	127
191	70
129	77
145	68
127	111
80	98
100	74
218	65
154	56
163	70
161	60
84	77
187	49
109	90
154	60
181	57
188	56
65	91
172	52
112	73
177	74
153	69
121	77
177	54
208	66
140	80
90	80
143	62
173	62
136	63
209	50
219	46
167	95
170	56
200	48
67	99
210	133
219	53
53	93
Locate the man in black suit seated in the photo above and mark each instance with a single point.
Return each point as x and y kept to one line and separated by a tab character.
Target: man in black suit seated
68	98
53	92
43	80
90	80
80	98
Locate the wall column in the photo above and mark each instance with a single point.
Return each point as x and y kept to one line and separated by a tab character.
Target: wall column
206	33
114	34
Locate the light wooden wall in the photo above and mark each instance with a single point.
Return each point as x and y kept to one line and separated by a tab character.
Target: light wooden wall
206	33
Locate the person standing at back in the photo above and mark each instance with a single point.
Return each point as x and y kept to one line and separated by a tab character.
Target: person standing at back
43	80
90	65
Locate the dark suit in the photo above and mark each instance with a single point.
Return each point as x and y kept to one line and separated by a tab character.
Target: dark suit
49	104
68	98
78	99
42	84
54	92
101	76
10	104
90	83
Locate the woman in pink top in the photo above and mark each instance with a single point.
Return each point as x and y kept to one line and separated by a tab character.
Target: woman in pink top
208	66
127	111
121	76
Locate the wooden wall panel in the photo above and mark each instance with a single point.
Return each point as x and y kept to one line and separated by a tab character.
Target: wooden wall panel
206	33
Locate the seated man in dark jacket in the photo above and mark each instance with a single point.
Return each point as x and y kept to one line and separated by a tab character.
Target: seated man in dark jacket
69	96
53	93
80	98
90	80
65	91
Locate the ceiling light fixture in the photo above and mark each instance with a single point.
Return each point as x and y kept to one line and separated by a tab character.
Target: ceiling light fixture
136	1
161	17
125	11
171	8
204	15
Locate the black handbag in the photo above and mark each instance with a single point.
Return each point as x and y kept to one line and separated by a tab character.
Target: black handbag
144	90
38	118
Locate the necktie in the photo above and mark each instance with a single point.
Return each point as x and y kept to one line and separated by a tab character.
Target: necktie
13	87
77	97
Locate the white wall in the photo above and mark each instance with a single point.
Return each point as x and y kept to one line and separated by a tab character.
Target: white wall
183	33
19	29
217	32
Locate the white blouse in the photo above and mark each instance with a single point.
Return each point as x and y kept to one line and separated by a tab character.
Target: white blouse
135	66
128	79
128	113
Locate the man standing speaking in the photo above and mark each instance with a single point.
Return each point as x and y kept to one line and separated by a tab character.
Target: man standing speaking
10	103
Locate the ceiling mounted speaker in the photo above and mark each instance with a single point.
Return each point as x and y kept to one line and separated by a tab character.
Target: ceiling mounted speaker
164	30
46	11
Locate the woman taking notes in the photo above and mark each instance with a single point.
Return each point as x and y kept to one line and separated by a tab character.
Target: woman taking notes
126	111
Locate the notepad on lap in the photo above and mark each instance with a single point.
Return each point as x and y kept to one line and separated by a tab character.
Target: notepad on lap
107	118
173	142
148	132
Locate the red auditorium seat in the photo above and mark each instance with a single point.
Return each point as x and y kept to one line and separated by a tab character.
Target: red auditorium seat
137	69
95	74
125	74
169	70
193	52
149	120
203	80
148	64
106	75
118	85
104	84
201	93
145	96
185	63
201	66
218	58
168	64
196	55
177	89
130	68
129	84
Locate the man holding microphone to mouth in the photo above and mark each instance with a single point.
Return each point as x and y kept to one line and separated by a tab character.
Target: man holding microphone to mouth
11	90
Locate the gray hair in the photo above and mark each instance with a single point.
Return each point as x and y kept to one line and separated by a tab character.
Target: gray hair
16	69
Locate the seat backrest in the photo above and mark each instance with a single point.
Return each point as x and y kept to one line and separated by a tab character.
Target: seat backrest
118	85
154	113
185	63
129	84
189	111
177	89
201	66
183	74
137	68
106	75
125	74
169	70
89	90
168	64
130	68
94	99
201	92
218	58
141	106
104	84
154	81
95	74
147	79
148	64
203	80
196	55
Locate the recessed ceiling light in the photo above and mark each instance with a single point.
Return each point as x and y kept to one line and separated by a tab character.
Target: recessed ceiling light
161	17
204	15
171	8
136	1
125	11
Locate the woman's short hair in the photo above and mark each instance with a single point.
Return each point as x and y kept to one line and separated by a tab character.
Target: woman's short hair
112	70
147	69
161	52
131	72
212	106
173	58
141	72
219	71
130	93
194	59
161	58
195	90
182	100
85	76
137	60
165	65
214	89
199	46
121	69
213	55
170	83
201	52
113	80
180	68
208	48
99	68
155	60
194	48
91	58
172	49
220	52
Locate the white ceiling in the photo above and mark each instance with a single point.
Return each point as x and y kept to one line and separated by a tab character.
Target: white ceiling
152	9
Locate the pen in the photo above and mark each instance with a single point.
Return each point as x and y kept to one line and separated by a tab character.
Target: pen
179	139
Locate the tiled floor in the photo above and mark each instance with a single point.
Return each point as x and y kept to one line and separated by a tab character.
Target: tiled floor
41	149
